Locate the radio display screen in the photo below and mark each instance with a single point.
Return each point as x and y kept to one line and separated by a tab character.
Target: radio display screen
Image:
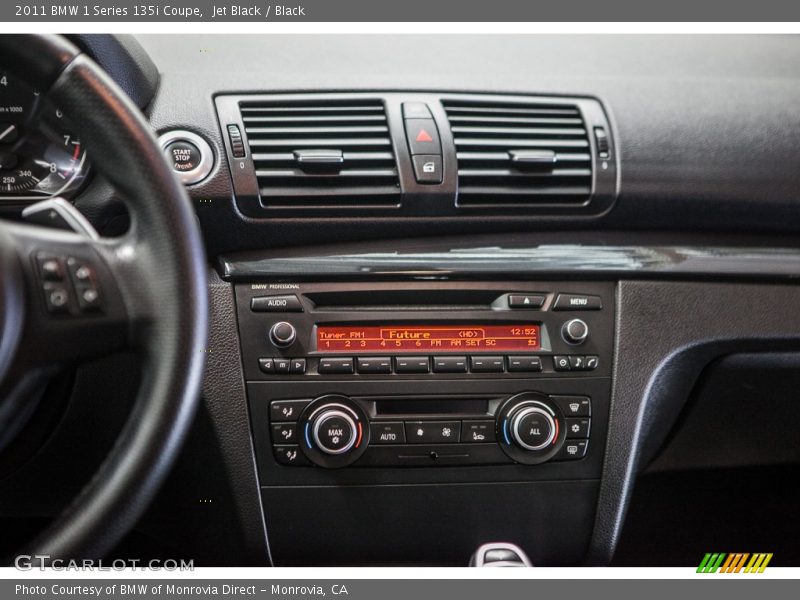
428	338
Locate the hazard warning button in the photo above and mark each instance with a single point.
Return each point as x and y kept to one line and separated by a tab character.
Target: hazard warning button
423	137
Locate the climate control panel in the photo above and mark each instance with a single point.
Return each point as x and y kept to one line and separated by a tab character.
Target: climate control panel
336	431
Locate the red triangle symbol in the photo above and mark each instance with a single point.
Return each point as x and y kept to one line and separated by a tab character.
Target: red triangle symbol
424	136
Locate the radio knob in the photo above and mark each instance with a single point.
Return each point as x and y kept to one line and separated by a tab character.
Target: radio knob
334	431
533	428
575	331
282	334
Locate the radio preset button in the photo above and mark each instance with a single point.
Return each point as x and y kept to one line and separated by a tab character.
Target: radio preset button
284	433
387	433
561	363
433	432
577	362
374	365
487	364
288	303
572	450
449	364
286	410
477	431
573	406
528	364
411	364
335	366
577	302
525	301
578	428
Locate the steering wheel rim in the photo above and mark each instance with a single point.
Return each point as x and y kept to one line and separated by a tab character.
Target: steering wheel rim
157	271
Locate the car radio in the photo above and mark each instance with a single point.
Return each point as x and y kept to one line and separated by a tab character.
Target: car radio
427	374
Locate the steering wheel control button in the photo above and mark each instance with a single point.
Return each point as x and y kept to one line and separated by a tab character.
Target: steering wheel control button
88	298
412	364
427	168
288	303
530	301
335	366
374	365
524	364
334	432
416	110
575	332
573	406
572	450
284	433
476	432
578	428
387	433
56	298
533	428
423	137
433	432
577	302
189	155
487	364
50	268
290	456
287	410
282	334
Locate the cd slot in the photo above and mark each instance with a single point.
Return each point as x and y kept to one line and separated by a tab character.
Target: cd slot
393	407
398	299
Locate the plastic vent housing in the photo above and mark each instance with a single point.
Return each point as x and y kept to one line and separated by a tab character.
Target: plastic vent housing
520	153
321	152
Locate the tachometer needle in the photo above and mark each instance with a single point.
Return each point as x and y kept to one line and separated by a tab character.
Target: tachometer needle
9	133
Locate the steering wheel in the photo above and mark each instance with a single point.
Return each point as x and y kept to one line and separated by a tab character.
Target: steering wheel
147	290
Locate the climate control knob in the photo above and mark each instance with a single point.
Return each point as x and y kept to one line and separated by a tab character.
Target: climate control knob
282	334
575	331
533	428
333	431
530	428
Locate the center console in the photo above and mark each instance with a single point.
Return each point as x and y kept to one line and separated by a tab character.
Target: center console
378	391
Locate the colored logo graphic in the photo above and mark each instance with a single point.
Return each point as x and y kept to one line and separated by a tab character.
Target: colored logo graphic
734	563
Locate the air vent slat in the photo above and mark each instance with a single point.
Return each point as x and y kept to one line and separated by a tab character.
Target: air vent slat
321	131
520	153
321	152
519	131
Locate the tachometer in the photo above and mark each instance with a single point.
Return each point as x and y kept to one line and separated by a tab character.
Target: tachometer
39	156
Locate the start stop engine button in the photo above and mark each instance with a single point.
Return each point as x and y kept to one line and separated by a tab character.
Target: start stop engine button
183	156
188	155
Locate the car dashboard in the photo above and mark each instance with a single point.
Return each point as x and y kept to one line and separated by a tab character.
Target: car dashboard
464	289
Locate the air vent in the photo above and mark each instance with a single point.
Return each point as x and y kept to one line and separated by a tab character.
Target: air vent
321	153
520	154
